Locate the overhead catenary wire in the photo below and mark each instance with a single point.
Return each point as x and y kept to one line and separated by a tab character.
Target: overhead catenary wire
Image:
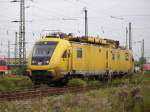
54	15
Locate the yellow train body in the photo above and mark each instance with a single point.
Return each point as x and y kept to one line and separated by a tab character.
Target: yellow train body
90	58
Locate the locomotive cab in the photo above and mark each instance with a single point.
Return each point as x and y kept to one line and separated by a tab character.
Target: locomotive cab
44	59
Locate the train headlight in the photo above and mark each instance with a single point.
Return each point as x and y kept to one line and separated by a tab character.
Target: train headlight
46	61
33	62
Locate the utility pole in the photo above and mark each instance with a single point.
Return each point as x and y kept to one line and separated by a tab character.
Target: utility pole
126	38
142	49
143	60
22	47
130	37
16	48
86	23
8	61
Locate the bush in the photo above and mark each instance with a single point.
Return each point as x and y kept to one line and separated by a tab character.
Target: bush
20	71
13	83
77	82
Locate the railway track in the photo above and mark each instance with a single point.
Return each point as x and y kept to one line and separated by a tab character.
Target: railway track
33	93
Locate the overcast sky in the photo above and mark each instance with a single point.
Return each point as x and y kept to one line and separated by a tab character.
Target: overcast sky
67	16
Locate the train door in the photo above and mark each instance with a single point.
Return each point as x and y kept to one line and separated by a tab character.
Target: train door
69	59
109	56
66	59
77	58
107	60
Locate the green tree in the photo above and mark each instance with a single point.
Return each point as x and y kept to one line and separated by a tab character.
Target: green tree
142	60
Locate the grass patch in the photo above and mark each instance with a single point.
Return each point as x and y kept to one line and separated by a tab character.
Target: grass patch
77	82
93	83
147	72
133	96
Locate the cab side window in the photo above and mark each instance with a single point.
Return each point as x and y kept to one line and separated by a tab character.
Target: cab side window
64	54
79	52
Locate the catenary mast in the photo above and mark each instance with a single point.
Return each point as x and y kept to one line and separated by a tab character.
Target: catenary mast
22	43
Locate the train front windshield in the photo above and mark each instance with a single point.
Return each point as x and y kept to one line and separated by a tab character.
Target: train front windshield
42	52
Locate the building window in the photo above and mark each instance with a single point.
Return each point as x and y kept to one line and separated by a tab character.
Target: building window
79	52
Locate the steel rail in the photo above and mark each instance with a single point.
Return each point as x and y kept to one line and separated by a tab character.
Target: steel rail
34	93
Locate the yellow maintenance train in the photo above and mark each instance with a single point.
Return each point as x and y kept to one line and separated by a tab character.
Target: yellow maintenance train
59	58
